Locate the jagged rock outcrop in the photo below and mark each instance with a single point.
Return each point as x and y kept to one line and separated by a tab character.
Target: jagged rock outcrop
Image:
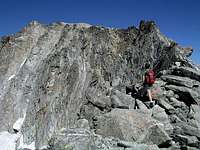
73	76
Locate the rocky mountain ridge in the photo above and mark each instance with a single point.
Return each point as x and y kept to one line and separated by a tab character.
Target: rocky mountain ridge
63	87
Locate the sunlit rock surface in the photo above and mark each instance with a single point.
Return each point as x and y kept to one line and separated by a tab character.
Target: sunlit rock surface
52	76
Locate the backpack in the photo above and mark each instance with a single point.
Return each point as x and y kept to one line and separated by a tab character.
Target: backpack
150	77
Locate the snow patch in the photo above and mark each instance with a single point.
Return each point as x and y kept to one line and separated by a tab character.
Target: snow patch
23	146
12	76
79	25
23	63
18	124
21	38
63	23
44	147
77	134
8	140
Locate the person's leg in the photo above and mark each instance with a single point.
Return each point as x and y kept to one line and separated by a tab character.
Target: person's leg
143	91
135	105
151	104
149	95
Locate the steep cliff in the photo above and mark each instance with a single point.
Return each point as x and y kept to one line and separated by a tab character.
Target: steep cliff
74	76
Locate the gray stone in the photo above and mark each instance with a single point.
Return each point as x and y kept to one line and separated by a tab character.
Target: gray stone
159	114
136	146
156	135
176	103
188	130
77	139
116	82
196	110
116	148
175	119
120	123
169	94
189	148
54	75
180	81
186	94
83	123
141	105
131	125
101	102
188	140
168	108
187	72
89	112
121	100
126	144
116	103
143	147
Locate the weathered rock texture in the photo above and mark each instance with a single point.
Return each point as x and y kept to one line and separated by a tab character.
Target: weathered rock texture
51	76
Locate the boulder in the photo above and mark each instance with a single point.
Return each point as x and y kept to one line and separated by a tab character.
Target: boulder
188	141
76	139
159	114
189	148
176	103
156	135
168	108
187	95
143	147
83	123
121	100
186	129
187	72
82	139
88	112
180	81
169	93
101	102
131	125
196	114
140	105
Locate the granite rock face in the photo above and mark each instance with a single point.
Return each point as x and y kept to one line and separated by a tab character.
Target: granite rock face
74	76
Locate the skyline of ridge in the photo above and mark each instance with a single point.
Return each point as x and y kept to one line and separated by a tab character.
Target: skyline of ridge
177	20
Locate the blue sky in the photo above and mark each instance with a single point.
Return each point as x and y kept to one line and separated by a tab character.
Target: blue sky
177	19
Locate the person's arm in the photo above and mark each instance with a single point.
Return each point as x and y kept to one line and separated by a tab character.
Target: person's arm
143	78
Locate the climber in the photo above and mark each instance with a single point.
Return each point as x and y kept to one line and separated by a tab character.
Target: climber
142	91
148	80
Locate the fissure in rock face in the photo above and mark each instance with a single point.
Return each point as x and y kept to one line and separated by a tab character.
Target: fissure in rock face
62	82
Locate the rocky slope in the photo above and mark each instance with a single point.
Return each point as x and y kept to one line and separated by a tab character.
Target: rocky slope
63	87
